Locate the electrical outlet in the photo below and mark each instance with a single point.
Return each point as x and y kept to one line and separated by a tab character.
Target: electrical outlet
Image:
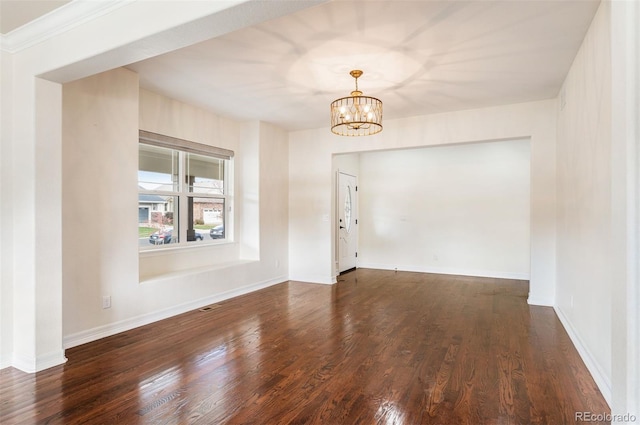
106	301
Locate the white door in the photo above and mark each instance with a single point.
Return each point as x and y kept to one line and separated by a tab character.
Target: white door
347	207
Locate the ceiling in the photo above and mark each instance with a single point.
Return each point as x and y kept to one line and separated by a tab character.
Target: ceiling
16	13
418	57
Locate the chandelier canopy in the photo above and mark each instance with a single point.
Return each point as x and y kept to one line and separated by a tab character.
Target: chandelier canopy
356	115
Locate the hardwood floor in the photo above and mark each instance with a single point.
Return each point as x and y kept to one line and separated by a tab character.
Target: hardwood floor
379	347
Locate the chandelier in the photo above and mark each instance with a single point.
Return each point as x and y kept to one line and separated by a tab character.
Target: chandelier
356	115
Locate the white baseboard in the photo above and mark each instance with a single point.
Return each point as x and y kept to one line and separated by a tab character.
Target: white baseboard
539	302
5	360
48	360
24	363
30	364
601	379
104	331
445	270
325	280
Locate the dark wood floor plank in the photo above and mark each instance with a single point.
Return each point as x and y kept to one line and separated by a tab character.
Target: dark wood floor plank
379	347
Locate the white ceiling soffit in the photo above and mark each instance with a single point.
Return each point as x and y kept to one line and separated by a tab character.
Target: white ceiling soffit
418	57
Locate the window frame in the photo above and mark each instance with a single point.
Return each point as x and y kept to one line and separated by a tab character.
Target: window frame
182	192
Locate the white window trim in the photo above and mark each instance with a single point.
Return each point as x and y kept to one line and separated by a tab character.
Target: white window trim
183	147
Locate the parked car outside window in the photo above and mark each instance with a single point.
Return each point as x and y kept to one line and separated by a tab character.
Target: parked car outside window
217	232
162	237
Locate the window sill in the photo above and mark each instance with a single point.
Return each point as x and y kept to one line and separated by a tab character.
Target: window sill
187	260
151	278
172	248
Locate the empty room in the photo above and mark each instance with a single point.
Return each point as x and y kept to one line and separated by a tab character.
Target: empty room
319	212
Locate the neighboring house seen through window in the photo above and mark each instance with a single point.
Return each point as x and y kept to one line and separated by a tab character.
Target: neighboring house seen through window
183	192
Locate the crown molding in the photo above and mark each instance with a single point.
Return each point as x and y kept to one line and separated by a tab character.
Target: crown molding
56	22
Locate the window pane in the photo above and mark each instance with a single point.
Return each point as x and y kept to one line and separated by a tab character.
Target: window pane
205	174
157	220
157	168
169	177
206	219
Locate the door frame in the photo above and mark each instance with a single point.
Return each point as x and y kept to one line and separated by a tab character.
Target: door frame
337	210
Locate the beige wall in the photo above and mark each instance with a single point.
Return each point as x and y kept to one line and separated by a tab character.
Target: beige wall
37	61
161	115
100	243
99	162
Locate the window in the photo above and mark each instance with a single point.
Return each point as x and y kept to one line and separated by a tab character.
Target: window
183	192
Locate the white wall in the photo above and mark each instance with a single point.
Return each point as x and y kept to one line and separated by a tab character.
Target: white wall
583	299
48	226
461	209
598	290
31	232
625	211
6	214
99	44
311	198
100	241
